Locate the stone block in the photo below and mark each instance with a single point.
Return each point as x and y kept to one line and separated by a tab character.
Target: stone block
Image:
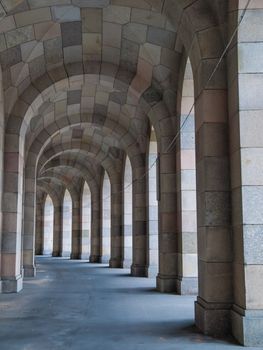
71	34
19	36
111	55
250	91
150	53
116	14
214	244
31	50
47	30
249	57
213	322
53	50
135	32
91	20
72	54
112	34
252	197
37	67
45	3
19	72
92	44
74	97
161	37
251	29
7	24
65	13
33	16
129	55
91	3
2	43
247	329
148	17
251	124
253	287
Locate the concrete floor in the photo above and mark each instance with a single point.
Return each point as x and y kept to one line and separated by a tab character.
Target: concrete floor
74	305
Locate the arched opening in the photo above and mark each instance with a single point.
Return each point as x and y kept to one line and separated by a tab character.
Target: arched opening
153	207
127	213
48	226
186	189
86	222
106	219
67	225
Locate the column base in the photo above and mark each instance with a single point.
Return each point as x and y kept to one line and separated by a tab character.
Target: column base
95	259
12	284
75	256
247	326
29	271
166	284
139	271
56	254
213	319
116	264
187	286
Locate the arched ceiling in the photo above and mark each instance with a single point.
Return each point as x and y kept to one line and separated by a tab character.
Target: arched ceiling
84	79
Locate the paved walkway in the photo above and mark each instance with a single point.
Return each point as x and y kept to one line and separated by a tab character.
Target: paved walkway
75	305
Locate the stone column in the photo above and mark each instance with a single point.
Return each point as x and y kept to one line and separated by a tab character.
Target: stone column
76	229
116	259
96	227
12	214
246	146
39	228
215	292
187	280
29	218
139	266
2	131
167	279
57	231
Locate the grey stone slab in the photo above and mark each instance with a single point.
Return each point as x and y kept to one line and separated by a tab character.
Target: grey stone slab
71	33
65	13
91	3
129	55
37	67
53	50
10	57
161	37
74	97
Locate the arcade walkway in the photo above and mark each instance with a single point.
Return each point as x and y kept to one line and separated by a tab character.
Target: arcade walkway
74	305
